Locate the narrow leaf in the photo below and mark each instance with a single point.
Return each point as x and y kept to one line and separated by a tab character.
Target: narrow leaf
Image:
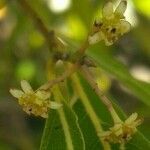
138	141
62	130
121	73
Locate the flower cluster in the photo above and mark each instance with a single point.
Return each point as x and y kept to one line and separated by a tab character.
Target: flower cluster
123	131
34	102
111	26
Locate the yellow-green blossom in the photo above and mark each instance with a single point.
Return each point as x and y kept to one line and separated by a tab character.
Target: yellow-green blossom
111	26
123	131
34	102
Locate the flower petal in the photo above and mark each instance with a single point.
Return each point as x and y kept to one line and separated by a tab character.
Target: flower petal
26	86
118	132
108	43
16	93
131	118
55	105
137	122
125	27
44	115
38	102
121	8
43	94
108	10
97	37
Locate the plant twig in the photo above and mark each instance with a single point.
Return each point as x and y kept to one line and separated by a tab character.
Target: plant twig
87	74
48	35
70	70
78	55
52	42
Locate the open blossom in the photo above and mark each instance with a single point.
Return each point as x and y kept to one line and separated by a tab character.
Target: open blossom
123	131
111	26
34	102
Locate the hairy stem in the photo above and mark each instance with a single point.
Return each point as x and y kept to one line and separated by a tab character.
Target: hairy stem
87	74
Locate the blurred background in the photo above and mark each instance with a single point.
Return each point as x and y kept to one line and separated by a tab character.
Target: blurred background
23	55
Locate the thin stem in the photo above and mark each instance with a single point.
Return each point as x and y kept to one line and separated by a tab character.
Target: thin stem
52	41
87	74
89	109
74	99
70	70
78	55
48	35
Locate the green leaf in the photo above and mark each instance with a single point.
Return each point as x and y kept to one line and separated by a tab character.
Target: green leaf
62	130
91	114
91	140
121	73
138	141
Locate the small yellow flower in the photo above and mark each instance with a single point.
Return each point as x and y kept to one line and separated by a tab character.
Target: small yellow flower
111	26
123	131
34	102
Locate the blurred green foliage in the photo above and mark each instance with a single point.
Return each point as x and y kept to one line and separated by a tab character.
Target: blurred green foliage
23	55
